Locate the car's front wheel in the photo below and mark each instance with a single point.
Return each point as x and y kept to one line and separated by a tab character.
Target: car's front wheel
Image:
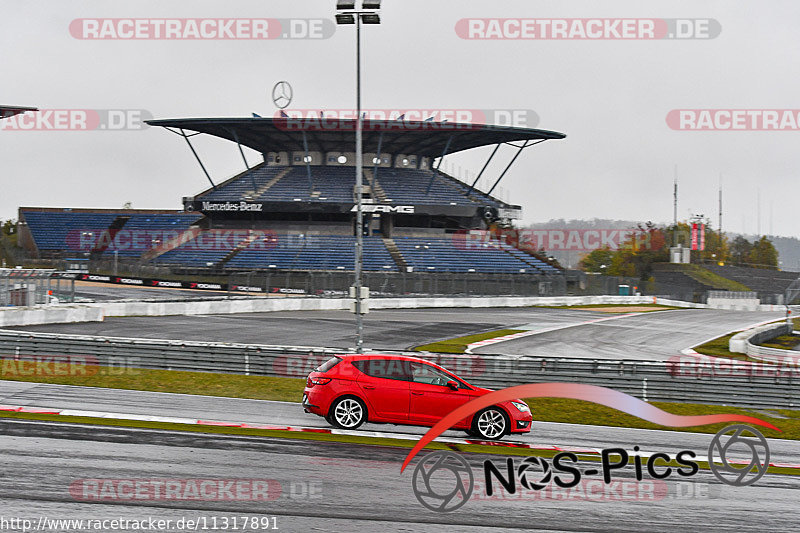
347	413
490	424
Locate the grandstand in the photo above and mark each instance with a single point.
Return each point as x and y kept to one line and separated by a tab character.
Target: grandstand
294	210
7	111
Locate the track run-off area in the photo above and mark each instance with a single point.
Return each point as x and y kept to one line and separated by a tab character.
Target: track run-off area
651	336
335	486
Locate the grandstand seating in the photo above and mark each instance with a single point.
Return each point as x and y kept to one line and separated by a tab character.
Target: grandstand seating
314	252
757	279
426	254
57	231
335	184
409	186
238	188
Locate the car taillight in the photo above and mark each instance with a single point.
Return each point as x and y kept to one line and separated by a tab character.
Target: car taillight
319	381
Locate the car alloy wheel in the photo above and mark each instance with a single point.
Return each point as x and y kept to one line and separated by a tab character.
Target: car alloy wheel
348	413
490	424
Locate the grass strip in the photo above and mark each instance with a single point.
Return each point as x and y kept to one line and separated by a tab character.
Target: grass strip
175	381
581	412
459	344
291	390
640	308
719	348
784	342
698	273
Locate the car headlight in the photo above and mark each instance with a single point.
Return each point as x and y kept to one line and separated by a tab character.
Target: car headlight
522	406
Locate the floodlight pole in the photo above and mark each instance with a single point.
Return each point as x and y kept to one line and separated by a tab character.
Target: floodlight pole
359	197
346	14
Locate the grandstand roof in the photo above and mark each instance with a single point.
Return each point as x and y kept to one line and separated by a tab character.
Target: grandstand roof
9	111
336	135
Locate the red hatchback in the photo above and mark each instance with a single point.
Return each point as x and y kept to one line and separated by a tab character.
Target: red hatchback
349	390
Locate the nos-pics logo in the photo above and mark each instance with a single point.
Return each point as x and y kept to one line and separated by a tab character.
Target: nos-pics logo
443	481
459	479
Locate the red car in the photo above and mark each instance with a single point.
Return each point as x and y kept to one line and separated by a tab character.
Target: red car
349	390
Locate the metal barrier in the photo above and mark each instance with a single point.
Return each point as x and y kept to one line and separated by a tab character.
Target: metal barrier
729	382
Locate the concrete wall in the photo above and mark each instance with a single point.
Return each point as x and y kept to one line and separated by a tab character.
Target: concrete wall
261	305
96	312
747	341
28	316
735	304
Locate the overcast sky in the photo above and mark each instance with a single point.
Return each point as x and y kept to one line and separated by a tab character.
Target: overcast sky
610	97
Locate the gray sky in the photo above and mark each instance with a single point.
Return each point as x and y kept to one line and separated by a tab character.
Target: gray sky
610	97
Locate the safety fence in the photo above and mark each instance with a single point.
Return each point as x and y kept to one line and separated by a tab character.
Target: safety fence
682	379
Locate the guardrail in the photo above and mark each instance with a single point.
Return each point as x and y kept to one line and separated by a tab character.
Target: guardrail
749	342
729	383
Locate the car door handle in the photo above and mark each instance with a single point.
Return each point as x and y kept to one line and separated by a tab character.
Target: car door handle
417	393
370	387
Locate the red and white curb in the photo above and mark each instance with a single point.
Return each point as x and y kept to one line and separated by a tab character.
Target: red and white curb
590	451
512	336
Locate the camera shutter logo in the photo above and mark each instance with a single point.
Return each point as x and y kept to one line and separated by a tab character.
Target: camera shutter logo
526	469
743	437
443	481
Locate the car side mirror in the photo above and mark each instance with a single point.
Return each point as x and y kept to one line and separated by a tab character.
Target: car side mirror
453	385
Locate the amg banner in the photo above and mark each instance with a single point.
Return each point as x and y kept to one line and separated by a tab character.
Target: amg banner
249	209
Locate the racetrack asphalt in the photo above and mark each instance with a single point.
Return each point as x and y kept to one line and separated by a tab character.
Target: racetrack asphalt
568	332
358	488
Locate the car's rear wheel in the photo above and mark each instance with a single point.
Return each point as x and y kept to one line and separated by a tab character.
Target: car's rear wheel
490	424
347	413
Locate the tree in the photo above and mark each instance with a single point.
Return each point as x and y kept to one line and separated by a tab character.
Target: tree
740	251
597	260
9	227
763	254
647	245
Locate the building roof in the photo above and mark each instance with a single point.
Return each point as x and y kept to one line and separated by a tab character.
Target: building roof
426	138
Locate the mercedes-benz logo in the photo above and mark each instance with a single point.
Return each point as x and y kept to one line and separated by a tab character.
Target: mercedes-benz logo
743	437
443	481
282	94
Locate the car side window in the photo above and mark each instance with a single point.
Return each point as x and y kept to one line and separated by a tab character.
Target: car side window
383	368
422	373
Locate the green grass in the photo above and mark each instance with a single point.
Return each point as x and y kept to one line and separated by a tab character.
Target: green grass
785	342
459	344
290	389
651	307
580	412
719	348
698	273
202	383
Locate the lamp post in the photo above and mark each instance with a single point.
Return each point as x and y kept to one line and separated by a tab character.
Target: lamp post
347	14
